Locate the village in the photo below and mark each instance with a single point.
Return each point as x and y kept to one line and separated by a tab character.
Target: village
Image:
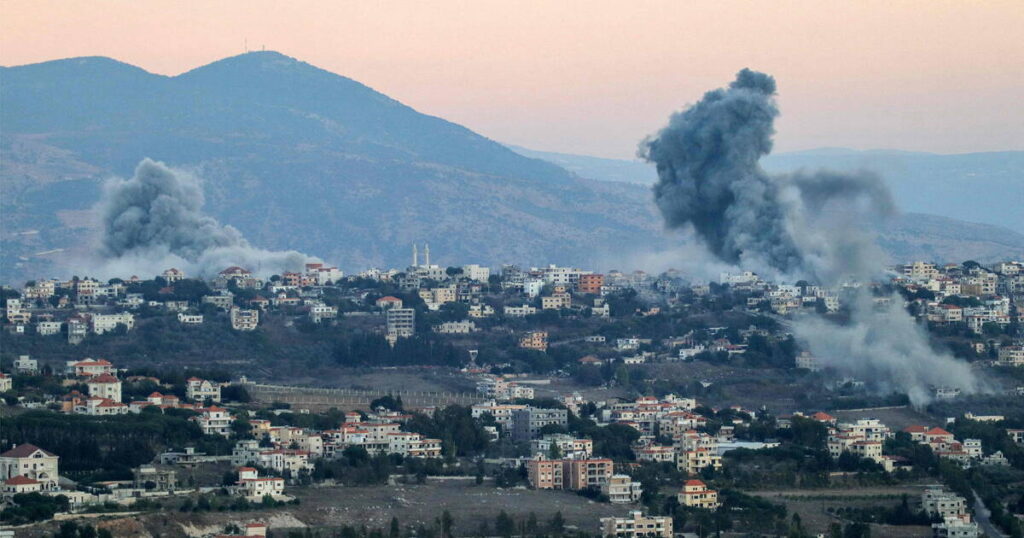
561	382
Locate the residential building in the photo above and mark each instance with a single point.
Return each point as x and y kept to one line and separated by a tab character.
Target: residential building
567	446
637	525
1011	355
622	489
693	461
696	494
48	328
244	319
105	386
25	365
104	323
215	420
401	322
455	327
6	383
591	283
154	477
544	473
527	423
31	462
519	311
200	390
536	340
89	367
254	488
588	473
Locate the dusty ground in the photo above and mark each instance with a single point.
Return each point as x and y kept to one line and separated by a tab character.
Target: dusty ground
373	506
813	505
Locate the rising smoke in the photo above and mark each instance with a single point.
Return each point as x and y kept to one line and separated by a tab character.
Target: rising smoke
154	221
802	225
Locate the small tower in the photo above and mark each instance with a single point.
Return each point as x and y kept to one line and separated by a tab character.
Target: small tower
426	253
415	256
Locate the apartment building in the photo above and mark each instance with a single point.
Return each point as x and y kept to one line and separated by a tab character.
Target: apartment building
244	319
622	489
526	423
637	525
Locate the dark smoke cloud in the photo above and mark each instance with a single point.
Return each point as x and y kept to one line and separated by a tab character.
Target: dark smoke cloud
804	225
710	179
154	220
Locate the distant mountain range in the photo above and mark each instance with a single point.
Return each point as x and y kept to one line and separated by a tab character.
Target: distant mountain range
298	157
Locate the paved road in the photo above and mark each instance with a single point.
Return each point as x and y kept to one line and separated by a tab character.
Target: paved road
981	514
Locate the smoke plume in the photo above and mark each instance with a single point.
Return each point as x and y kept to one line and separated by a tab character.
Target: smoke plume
804	225
154	221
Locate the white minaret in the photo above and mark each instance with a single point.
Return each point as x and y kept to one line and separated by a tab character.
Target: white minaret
415	256
426	253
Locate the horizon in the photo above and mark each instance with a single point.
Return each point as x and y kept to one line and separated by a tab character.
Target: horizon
868	150
596	80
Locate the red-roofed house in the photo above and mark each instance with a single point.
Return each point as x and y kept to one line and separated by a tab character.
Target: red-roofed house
19	484
30	461
105	386
696	494
89	367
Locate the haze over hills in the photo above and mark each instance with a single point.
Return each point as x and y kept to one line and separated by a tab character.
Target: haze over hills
297	157
977	187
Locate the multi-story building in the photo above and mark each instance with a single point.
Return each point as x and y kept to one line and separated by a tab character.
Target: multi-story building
568	446
588	473
693	461
244	319
637	525
31	462
89	367
537	340
105	386
519	311
200	390
543	473
401	322
527	423
215	420
254	488
591	283
1011	355
104	323
622	489
696	494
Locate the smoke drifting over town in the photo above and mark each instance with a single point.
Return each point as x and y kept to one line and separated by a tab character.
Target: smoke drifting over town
154	220
806	225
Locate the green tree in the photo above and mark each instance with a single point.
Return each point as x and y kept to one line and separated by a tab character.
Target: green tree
504	525
447	523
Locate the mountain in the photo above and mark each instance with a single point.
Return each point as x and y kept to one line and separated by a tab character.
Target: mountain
294	157
977	187
300	158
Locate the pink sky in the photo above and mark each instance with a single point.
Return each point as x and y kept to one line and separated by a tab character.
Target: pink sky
595	77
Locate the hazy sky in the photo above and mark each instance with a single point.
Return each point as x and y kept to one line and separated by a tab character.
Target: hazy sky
594	77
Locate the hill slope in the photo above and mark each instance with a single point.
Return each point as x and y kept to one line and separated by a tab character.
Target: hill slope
295	157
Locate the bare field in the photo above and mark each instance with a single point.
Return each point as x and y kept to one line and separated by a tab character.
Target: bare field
469	504
373	506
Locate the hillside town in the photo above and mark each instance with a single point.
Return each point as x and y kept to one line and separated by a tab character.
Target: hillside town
679	405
